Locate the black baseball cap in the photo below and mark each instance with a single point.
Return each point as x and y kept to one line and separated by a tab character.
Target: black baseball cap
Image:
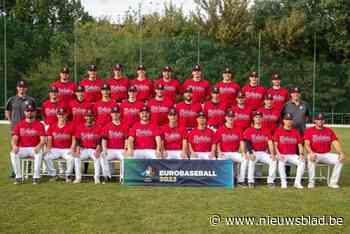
241	94
115	109
30	108
53	89
172	111
132	89
80	89
257	113
89	112
268	96
21	83
160	87
196	67
144	108
92	67
276	76
227	70
105	86
61	111
167	69
230	113
288	116
295	90
201	114
188	90
319	116
141	67
253	74
64	70
118	67
215	90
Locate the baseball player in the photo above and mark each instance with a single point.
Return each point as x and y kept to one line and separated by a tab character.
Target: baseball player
92	85
114	143
143	85
130	108
28	139
172	87
119	84
287	140
280	95
174	142
88	146
144	138
260	148
65	87
200	87
243	113
229	141
201	140
254	92
60	144
188	111
49	107
103	107
271	117
215	110
228	89
79	106
318	142
159	107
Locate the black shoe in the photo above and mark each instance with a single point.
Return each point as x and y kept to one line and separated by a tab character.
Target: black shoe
36	181
53	178
251	185
242	184
271	185
12	176
18	181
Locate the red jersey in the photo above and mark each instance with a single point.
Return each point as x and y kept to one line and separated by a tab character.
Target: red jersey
254	96
119	88
201	140
78	110
172	137
28	133
200	89
228	139
144	89
65	90
61	137
188	114
115	135
103	112
144	135
130	112
92	91
270	118
280	96
243	117
49	111
258	138
171	88
287	140
89	137
159	111
320	139
228	92
215	113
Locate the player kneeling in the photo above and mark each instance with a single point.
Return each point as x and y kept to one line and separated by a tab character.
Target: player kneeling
229	140
258	142
88	146
318	141
174	143
28	139
114	142
287	141
60	144
144	139
201	140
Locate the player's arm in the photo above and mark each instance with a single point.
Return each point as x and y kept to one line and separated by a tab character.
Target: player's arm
301	151
98	147
271	147
311	154
192	153
338	149
249	149
41	144
48	144
14	143
213	151
8	111
131	146
72	146
158	146
77	146
8	115
218	149
278	154
243	150
184	152
104	144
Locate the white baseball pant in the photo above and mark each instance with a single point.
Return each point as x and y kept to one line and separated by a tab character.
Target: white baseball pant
263	157
173	154
26	152
327	158
56	153
293	159
145	154
84	155
238	157
202	156
112	154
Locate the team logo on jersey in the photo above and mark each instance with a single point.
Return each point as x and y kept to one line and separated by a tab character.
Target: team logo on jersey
278	98
65	91
201	139
142	87
88	136
50	111
159	109
103	109
196	88
174	136
229	137
321	139
288	140
131	110
92	88
61	136
115	88
242	116
187	113
258	138
169	88
115	134
215	112
28	132
78	110
143	132
270	117
227	90
253	95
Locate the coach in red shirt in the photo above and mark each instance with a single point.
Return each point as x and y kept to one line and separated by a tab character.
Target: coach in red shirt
228	89
318	142
103	107
159	107
114	142
143	85
288	143
201	140
172	87
260	148
174	142
280	95
60	144
119	84
215	110
92	85
271	117
229	143
254	92
243	113
200	87
130	108
65	87
88	146
144	138
28	139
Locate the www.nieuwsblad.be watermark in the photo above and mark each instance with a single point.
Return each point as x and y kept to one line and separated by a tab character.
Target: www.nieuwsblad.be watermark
326	220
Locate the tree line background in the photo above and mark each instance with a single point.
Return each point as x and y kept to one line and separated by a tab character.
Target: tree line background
42	36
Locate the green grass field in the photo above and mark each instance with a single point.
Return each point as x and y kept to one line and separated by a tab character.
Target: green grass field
67	208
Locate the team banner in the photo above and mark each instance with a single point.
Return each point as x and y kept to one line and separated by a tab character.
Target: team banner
212	173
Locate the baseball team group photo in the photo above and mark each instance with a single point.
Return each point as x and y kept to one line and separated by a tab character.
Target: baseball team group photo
156	116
